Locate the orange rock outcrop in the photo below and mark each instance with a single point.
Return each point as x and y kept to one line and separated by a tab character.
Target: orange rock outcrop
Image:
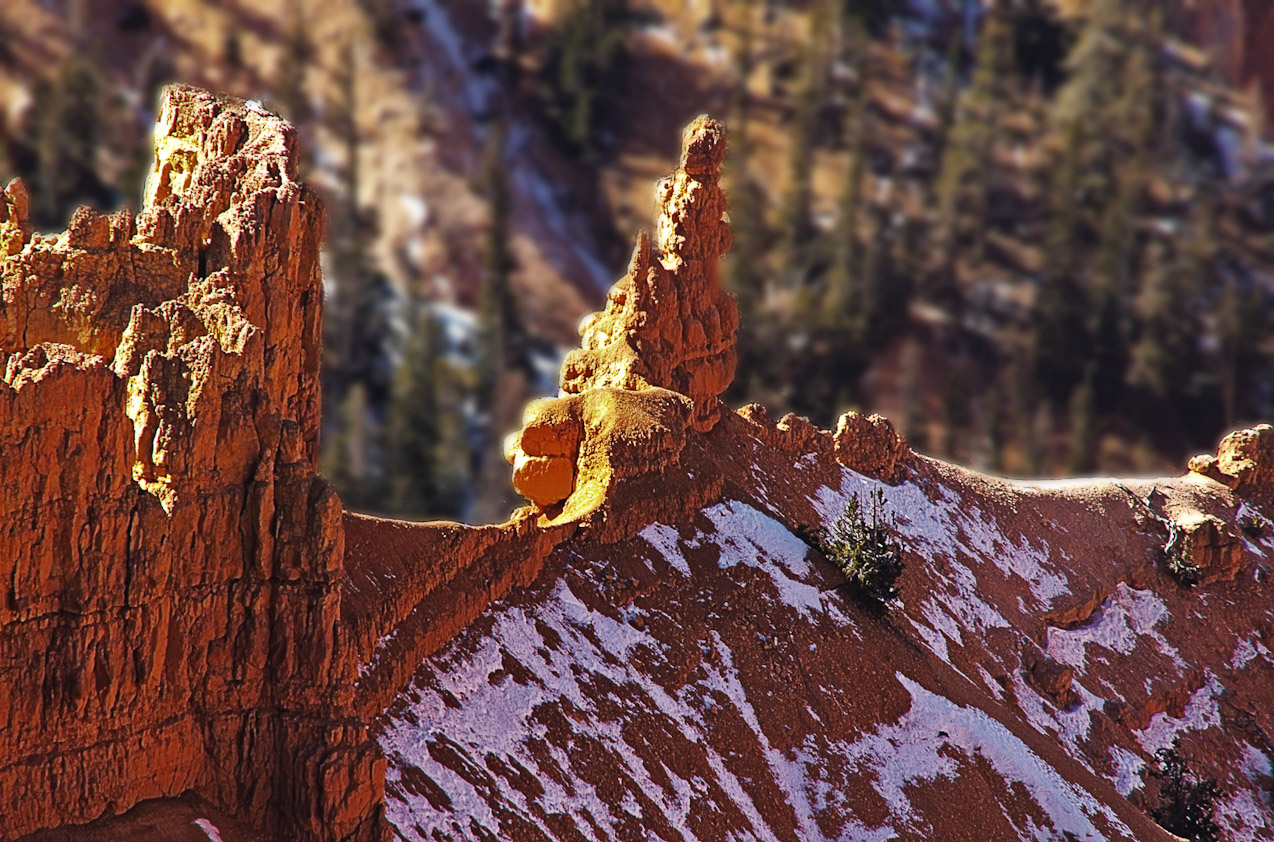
170	561
654	362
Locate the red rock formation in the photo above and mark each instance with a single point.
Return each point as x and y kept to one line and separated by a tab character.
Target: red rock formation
171	563
655	646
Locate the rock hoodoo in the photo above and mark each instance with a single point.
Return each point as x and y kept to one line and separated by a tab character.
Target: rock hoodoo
654	362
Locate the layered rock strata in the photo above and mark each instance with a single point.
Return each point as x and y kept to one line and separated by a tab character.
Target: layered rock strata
170	562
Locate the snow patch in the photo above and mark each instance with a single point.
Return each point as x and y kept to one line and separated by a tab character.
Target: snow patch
1128	766
666	540
748	536
909	751
1127	616
1202	711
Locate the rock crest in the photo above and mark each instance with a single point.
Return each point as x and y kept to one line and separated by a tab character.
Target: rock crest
1244	461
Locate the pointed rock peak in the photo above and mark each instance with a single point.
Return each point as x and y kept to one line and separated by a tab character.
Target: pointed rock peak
654	362
667	322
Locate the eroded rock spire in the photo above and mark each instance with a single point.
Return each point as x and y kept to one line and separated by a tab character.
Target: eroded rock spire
655	361
667	322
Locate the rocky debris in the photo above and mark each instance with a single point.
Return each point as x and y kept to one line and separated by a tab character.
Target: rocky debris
870	445
1244	461
866	444
1209	545
170	560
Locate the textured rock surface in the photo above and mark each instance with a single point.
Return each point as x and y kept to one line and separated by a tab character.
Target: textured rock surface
654	649
169	560
667	331
1244	461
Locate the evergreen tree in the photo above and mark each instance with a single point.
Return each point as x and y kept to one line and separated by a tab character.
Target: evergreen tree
349	272
1168	328
502	338
290	82
795	227
425	452
1084	433
743	273
65	134
844	303
1132	129
1059	324
1187	803
1243	323
583	60
344	458
964	181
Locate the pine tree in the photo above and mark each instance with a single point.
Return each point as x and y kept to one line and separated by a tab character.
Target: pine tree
844	302
502	337
1187	803
1084	434
1243	323
344	459
1168	328
298	52
583	59
349	271
794	224
64	134
743	273
425	451
1132	129
964	181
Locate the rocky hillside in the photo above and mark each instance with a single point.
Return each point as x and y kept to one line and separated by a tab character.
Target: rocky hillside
689	665
195	636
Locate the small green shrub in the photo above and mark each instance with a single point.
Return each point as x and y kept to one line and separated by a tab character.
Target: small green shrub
1186	801
1177	556
863	543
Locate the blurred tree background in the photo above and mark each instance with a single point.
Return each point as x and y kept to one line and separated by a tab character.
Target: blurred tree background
1038	235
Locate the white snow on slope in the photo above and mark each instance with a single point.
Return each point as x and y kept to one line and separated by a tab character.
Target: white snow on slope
499	716
910	751
1122	621
1202	711
933	529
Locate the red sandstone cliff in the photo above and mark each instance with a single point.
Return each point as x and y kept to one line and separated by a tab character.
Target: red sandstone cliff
171	561
652	648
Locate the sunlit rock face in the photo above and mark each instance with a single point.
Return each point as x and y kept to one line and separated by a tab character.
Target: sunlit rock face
171	561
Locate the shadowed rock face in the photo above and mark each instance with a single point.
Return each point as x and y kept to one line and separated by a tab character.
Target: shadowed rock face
169	560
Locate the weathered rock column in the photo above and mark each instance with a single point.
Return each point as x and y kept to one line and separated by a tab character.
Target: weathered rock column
170	562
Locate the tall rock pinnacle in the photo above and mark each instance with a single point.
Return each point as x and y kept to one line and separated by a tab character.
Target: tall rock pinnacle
653	363
667	322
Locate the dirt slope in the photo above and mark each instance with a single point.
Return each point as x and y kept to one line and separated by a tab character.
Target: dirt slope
684	664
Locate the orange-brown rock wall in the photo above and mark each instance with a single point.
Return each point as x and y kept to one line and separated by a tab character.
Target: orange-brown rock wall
170	563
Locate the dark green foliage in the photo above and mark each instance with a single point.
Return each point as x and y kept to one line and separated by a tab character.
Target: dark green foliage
290	83
502	336
582	61
863	543
1186	801
425	452
1177	557
65	134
